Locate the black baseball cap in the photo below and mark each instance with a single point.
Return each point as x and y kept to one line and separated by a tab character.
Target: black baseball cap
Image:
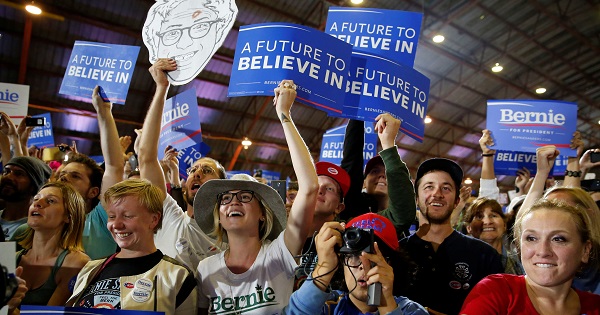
441	164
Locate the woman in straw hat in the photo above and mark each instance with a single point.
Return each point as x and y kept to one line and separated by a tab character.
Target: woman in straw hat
256	273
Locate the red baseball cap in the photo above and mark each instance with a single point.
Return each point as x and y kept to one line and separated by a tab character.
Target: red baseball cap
381	226
336	173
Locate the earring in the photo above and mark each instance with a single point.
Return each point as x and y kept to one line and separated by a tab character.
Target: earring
262	219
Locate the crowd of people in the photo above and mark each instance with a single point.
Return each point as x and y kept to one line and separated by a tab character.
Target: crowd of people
131	235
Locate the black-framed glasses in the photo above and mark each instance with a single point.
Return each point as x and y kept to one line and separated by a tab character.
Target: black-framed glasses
197	30
243	196
352	260
206	170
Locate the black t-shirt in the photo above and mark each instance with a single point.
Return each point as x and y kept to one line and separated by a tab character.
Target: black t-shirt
104	291
445	277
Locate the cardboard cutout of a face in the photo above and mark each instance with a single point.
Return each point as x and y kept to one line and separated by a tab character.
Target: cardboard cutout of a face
189	31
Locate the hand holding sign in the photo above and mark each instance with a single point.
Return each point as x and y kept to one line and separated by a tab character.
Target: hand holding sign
387	128
100	105
7	127
158	71
577	143
486	141
285	94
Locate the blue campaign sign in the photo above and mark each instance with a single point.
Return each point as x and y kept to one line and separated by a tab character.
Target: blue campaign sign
42	136
189	155
388	33
109	66
560	165
333	142
525	125
180	125
508	163
267	53
39	310
379	85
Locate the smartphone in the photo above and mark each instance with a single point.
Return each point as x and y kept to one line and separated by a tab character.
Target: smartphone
52	154
281	187
591	184
35	121
595	157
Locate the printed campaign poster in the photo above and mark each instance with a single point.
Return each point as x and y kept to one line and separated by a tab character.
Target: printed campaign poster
525	125
54	310
267	53
560	165
508	163
378	85
42	136
189	31
333	144
180	126
107	65
189	155
391	34
14	100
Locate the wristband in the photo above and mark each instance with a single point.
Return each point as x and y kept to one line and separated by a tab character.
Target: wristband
175	186
573	173
487	154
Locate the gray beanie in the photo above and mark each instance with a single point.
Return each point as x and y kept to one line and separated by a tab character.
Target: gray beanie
37	170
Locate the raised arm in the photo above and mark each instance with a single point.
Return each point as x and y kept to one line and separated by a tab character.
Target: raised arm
546	156
150	168
7	127
109	142
585	163
301	214
402	207
353	163
573	173
488	185
24	131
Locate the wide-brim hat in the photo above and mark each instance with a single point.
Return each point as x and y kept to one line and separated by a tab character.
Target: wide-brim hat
440	164
208	197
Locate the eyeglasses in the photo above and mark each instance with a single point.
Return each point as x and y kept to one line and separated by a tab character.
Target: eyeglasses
244	196
18	173
206	170
197	30
352	261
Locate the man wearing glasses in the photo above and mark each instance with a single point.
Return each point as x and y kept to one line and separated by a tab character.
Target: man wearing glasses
187	31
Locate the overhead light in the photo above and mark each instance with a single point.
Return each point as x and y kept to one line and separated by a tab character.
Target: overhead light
33	9
497	68
540	90
246	142
356	1
428	119
438	38
468	181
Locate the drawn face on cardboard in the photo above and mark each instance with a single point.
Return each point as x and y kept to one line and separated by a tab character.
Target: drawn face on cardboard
189	31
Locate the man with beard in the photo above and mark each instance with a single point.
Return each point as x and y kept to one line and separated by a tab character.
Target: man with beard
21	180
449	263
180	236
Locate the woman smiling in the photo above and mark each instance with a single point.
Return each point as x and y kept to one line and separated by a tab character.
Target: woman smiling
555	243
256	273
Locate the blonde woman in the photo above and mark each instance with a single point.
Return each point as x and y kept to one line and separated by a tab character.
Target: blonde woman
52	248
256	273
555	241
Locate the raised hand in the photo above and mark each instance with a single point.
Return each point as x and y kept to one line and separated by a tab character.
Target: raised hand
387	128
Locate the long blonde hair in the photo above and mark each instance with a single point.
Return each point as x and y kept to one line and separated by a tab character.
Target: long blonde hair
72	232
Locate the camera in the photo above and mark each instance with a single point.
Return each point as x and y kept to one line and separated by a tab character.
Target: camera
357	240
8	286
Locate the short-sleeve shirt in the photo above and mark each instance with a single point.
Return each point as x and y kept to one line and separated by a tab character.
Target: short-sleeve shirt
97	240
